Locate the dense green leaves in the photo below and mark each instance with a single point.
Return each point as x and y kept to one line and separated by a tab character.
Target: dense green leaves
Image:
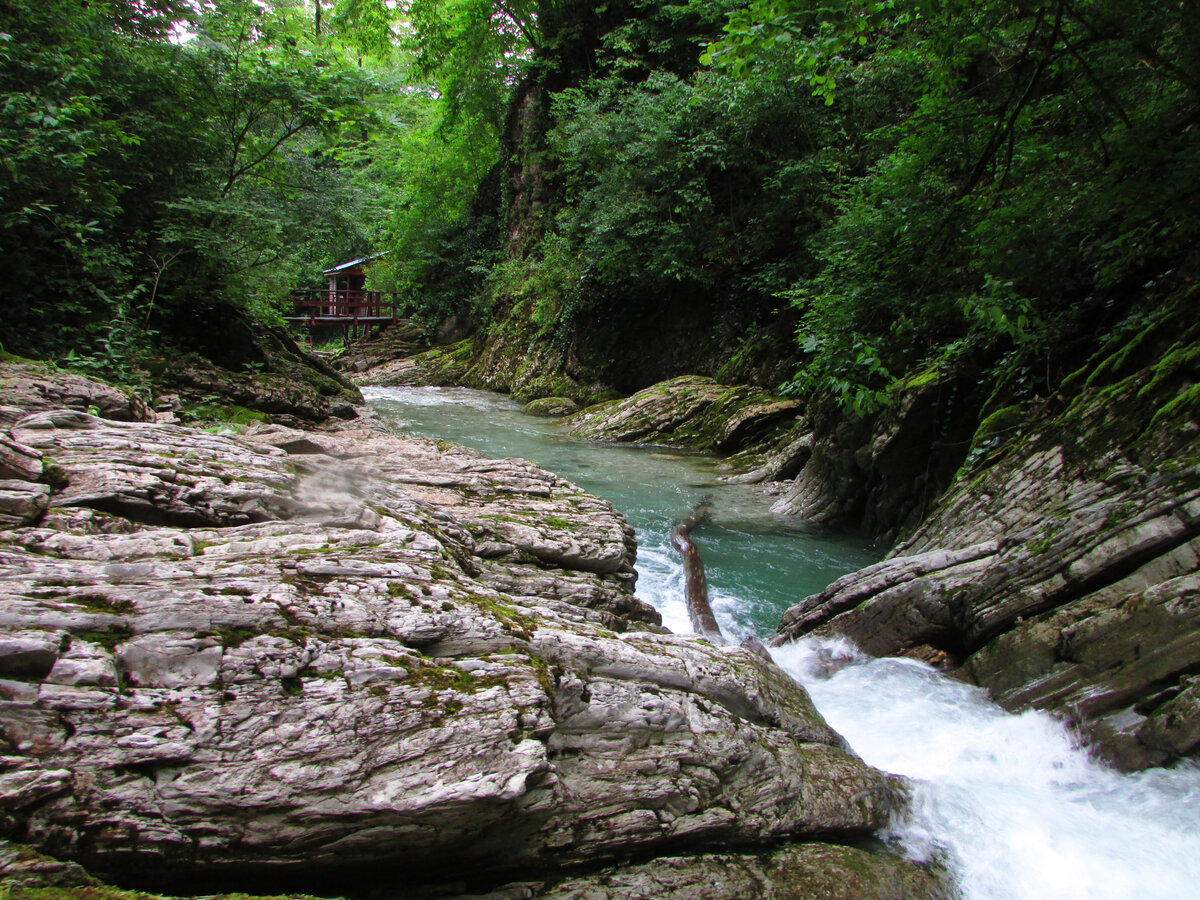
148	177
925	184
1032	176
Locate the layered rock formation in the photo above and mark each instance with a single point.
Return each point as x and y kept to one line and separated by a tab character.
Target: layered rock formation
238	660
883	474
689	411
1059	567
385	362
1062	569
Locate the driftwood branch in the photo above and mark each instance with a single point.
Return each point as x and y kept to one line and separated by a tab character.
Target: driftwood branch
695	587
695	584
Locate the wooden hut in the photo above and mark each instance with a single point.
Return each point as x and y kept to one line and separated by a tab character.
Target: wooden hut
345	302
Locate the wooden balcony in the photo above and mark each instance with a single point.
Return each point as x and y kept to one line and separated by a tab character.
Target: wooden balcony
321	306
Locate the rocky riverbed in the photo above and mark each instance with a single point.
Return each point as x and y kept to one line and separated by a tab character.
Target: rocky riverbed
327	657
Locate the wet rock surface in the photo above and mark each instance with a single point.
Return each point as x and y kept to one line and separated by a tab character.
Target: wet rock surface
282	654
690	411
1062	569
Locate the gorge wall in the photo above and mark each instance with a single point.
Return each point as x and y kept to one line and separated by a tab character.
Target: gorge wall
1059	568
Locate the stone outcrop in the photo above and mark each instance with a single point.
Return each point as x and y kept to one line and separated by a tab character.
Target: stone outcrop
270	658
1062	569
881	475
436	366
28	387
244	370
398	340
689	411
295	390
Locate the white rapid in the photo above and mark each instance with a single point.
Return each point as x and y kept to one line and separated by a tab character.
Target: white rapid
1008	803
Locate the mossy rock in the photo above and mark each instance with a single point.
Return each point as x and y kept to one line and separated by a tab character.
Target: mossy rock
221	413
1000	424
547	386
550	407
693	412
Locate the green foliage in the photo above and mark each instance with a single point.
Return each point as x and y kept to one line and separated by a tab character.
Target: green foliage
928	184
818	39
473	51
674	186
1026	176
146	177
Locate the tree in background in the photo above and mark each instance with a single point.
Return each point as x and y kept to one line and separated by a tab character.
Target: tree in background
1034	184
151	180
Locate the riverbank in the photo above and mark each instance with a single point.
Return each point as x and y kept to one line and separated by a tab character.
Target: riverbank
195	623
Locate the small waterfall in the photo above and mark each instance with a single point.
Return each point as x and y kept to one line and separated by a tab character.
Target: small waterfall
1008	803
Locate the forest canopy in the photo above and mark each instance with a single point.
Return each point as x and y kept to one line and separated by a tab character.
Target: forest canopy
906	183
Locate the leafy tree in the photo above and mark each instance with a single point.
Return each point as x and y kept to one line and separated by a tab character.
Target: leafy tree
149	178
87	157
1024	193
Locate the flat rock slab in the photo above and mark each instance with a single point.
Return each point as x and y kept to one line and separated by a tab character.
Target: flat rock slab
221	658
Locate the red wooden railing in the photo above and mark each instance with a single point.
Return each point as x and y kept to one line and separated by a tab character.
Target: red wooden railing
351	306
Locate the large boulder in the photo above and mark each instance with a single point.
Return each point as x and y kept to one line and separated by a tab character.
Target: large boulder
291	386
438	366
689	411
266	659
398	340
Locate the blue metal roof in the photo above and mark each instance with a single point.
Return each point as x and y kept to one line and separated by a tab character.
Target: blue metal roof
354	262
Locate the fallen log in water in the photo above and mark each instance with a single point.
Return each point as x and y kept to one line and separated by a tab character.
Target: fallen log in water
695	584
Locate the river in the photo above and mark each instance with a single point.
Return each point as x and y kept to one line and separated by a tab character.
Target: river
1008	803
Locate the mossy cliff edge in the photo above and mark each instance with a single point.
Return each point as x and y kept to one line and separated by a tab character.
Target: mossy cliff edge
1061	569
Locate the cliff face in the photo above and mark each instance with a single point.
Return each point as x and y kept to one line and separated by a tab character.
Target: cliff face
1061	569
239	660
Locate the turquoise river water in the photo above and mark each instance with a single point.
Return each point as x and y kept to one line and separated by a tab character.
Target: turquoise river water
1008	803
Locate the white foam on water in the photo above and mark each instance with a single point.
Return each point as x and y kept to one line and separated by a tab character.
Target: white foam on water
432	396
1010	804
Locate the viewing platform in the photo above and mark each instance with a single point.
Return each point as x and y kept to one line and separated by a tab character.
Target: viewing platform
325	306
